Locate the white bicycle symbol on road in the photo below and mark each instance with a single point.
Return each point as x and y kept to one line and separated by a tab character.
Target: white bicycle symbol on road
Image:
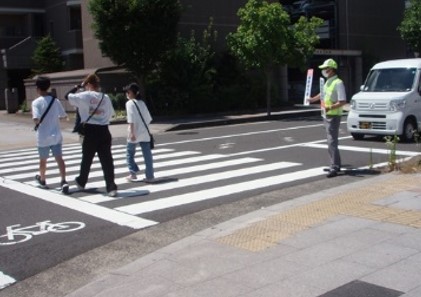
14	234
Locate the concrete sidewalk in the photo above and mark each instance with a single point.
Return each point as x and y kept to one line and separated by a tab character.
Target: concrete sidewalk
357	240
362	239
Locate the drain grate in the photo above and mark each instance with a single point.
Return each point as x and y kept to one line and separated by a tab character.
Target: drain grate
359	289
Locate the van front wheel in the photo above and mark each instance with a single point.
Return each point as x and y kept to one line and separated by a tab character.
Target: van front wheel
409	128
357	136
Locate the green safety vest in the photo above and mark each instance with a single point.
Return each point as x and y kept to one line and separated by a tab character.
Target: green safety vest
329	88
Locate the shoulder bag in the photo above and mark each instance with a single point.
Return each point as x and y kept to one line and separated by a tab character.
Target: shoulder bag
80	128
152	143
45	113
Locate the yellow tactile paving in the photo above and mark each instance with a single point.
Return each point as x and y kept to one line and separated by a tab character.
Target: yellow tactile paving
256	245
416	224
358	202
306	219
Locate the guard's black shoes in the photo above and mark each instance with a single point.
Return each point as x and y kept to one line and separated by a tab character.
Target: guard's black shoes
332	173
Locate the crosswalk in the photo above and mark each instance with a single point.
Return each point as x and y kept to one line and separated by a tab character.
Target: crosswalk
183	177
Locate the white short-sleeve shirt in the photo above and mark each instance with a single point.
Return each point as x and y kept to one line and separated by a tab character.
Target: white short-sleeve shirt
134	118
87	102
49	131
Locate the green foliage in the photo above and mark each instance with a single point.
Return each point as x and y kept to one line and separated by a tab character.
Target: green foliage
47	56
24	106
186	75
236	88
410	28
135	33
266	37
118	101
391	143
304	40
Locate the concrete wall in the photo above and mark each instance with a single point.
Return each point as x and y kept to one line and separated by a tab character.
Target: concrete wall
57	23
93	57
111	82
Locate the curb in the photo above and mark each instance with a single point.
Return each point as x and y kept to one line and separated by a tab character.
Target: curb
229	120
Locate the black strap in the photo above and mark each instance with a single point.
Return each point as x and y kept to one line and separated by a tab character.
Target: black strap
144	123
45	113
90	116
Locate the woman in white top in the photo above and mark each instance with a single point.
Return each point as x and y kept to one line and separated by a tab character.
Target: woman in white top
138	118
96	110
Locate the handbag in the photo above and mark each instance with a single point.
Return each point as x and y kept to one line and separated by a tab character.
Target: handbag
152	141
45	113
80	127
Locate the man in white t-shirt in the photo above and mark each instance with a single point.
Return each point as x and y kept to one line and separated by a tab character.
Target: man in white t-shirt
332	102
47	123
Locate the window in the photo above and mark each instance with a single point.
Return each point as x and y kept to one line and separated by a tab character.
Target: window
75	18
390	80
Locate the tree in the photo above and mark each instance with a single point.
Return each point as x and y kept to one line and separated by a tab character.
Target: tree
135	33
47	56
266	37
188	71
410	28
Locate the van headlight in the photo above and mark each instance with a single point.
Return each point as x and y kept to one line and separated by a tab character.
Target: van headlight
353	104
397	105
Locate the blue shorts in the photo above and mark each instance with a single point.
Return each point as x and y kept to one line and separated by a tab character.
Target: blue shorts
44	151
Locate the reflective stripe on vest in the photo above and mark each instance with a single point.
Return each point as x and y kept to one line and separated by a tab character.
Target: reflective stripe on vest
329	89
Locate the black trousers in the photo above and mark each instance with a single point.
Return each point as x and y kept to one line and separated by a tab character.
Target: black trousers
97	140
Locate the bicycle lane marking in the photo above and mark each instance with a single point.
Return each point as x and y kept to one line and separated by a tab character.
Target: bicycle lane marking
106	214
5	280
43	227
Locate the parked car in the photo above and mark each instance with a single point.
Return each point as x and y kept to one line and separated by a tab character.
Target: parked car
389	102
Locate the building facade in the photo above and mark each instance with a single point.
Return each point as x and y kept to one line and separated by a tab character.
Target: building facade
355	32
22	24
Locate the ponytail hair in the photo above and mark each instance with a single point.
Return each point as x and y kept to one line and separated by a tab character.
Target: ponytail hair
134	87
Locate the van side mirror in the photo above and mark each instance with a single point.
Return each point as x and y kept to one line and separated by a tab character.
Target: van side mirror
362	88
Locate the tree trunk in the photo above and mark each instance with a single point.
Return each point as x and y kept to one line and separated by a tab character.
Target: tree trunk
283	81
268	73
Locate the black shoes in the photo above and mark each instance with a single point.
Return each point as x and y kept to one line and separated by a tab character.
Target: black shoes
332	172
79	185
41	183
64	187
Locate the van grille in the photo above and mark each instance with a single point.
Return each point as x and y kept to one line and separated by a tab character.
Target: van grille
378	126
372	106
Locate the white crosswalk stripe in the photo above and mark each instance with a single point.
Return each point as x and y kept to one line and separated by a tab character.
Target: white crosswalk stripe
200	179
5	280
184	177
183	199
72	157
119	159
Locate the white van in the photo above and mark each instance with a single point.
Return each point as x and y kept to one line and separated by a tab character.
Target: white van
389	102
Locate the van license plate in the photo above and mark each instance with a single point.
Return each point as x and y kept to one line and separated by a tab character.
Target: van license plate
365	125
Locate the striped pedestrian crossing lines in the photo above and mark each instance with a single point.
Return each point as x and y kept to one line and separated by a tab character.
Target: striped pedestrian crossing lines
183	177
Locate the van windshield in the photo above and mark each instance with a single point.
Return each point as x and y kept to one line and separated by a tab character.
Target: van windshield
390	80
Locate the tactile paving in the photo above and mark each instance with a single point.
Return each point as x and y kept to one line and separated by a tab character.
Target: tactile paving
357	202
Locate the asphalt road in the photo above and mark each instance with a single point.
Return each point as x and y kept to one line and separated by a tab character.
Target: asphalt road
207	176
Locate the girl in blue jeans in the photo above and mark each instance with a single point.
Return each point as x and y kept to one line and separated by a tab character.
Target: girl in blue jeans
138	133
